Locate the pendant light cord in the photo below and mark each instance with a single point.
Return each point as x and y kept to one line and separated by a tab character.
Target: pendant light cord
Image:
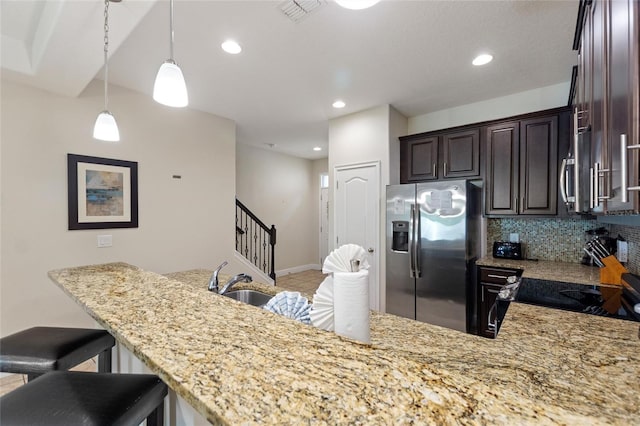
106	50
171	29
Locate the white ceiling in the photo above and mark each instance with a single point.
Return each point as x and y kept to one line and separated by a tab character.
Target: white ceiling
414	55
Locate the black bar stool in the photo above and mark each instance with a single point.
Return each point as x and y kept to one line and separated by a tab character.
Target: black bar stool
64	398
38	350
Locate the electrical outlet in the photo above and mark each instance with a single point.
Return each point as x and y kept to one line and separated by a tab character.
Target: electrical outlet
514	237
105	241
623	251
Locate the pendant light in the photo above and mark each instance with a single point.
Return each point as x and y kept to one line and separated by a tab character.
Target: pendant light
106	128
170	88
356	4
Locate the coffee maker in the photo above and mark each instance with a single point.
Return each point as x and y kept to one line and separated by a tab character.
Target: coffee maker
603	237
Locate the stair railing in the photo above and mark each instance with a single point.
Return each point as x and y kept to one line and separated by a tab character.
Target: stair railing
255	240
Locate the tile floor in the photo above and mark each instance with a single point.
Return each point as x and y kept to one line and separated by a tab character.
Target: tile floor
305	282
13	381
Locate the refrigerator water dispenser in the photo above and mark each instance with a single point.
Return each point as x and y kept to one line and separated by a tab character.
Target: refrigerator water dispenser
400	235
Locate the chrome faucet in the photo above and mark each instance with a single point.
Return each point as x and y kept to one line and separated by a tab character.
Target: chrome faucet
213	282
238	278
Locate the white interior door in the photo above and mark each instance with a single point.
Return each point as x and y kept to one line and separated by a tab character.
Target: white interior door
324	224
356	216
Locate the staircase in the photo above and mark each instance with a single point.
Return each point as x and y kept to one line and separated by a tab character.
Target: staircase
255	241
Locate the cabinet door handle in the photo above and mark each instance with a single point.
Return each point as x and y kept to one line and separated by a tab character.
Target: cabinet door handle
497	276
444	173
596	184
624	153
606	174
623	169
563	181
435	171
592	203
576	175
515	201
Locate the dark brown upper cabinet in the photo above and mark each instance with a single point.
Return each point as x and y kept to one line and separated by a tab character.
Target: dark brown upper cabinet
461	154
522	167
518	158
503	151
539	166
440	155
419	159
607	102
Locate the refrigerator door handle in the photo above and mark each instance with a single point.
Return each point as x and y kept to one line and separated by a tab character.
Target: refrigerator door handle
412	268
417	240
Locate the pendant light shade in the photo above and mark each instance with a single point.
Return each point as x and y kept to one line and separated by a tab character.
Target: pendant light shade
106	128
170	88
356	4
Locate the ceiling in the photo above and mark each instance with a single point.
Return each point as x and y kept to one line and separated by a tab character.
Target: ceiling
413	55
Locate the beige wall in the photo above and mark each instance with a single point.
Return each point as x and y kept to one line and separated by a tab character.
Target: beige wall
367	136
284	191
398	126
539	99
184	223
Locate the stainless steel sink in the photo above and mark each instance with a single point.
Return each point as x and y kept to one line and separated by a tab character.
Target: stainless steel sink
250	297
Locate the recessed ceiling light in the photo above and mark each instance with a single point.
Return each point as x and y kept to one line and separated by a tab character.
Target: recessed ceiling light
339	104
317	148
356	4
231	46
483	59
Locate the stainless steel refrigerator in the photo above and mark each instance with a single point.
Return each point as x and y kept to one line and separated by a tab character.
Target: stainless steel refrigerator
433	240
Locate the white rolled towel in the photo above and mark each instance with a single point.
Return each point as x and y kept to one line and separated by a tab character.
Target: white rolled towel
351	305
339	260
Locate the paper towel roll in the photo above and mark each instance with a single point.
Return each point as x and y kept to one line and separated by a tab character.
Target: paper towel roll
351	305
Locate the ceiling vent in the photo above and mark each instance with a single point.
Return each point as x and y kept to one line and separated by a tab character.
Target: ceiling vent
298	9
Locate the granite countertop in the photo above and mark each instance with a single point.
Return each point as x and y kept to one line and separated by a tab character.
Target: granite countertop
575	273
237	364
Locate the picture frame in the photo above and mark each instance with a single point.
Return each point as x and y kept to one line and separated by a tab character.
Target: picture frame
102	192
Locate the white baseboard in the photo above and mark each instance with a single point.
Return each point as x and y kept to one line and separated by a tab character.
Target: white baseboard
297	269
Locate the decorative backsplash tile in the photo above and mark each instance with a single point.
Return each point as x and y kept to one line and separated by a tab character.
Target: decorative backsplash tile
545	239
632	235
559	239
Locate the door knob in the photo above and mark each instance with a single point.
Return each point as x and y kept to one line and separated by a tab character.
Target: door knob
370	250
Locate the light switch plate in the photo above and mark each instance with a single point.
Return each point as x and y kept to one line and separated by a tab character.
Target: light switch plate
623	251
105	241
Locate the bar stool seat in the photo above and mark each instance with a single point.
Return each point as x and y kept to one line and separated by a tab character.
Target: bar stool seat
63	398
38	350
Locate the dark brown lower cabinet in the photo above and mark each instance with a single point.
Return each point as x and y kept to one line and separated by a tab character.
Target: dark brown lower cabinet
487	311
491	280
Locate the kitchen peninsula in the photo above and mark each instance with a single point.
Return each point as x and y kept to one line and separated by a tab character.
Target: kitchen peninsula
236	364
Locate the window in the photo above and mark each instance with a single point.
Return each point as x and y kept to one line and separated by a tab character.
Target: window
324	181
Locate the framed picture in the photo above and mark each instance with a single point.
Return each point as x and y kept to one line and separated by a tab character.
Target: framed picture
103	193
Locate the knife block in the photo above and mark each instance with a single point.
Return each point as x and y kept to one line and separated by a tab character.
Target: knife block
612	271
